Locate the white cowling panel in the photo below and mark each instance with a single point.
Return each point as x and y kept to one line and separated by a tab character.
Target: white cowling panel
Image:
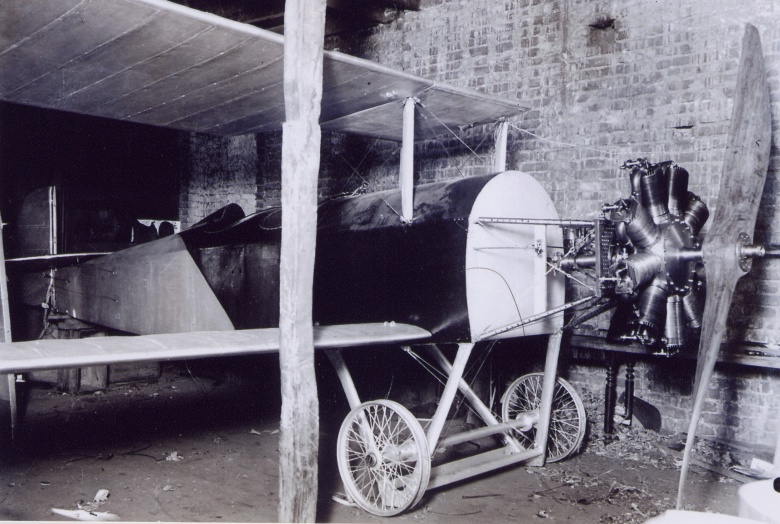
508	278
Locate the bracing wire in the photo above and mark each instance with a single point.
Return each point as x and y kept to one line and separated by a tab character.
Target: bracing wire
365	182
442	377
474	154
453	133
611	154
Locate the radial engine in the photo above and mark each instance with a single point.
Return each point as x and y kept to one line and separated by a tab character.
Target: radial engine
646	253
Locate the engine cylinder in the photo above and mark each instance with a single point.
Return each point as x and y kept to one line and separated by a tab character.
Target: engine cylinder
674	330
696	213
636	182
639	226
652	313
640	267
655	193
678	190
652	305
693	308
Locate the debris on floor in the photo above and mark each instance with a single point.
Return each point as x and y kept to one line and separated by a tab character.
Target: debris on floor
623	480
173	457
88	510
81	514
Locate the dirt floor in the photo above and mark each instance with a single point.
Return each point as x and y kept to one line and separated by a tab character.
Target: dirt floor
190	447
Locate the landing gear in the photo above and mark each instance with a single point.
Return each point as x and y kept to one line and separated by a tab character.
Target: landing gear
383	457
567	418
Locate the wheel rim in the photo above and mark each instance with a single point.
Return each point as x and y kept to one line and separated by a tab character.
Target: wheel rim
567	417
383	457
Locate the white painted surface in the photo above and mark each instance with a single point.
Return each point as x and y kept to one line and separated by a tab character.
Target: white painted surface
760	502
507	276
674	516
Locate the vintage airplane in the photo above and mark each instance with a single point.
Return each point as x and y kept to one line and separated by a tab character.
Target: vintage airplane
461	262
159	63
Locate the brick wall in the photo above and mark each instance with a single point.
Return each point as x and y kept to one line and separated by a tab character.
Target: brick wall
247	170
606	82
221	170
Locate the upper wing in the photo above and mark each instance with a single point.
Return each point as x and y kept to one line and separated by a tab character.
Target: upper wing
18	357
155	62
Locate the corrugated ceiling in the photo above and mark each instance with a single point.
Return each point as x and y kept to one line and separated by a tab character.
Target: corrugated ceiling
159	63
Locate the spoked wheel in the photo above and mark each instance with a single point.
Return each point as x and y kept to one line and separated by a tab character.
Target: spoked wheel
383	457
567	417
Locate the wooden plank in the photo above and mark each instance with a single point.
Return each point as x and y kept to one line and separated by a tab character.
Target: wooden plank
44	262
736	355
34	355
406	171
8	380
304	22
474	465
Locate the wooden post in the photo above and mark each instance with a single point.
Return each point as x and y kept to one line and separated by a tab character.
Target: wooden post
8	382
304	22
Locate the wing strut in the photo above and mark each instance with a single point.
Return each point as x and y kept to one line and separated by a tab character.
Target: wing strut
406	177
499	164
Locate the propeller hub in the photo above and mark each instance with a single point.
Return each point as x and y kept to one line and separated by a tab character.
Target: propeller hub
746	251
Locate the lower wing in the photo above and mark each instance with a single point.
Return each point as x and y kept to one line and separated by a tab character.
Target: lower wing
18	357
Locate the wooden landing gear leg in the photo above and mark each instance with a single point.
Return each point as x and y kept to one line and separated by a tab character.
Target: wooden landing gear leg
548	386
347	384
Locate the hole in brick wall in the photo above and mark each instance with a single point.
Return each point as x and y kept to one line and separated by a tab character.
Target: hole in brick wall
683	127
602	23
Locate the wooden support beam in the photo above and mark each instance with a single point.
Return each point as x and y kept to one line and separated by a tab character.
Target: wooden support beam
7	382
299	427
